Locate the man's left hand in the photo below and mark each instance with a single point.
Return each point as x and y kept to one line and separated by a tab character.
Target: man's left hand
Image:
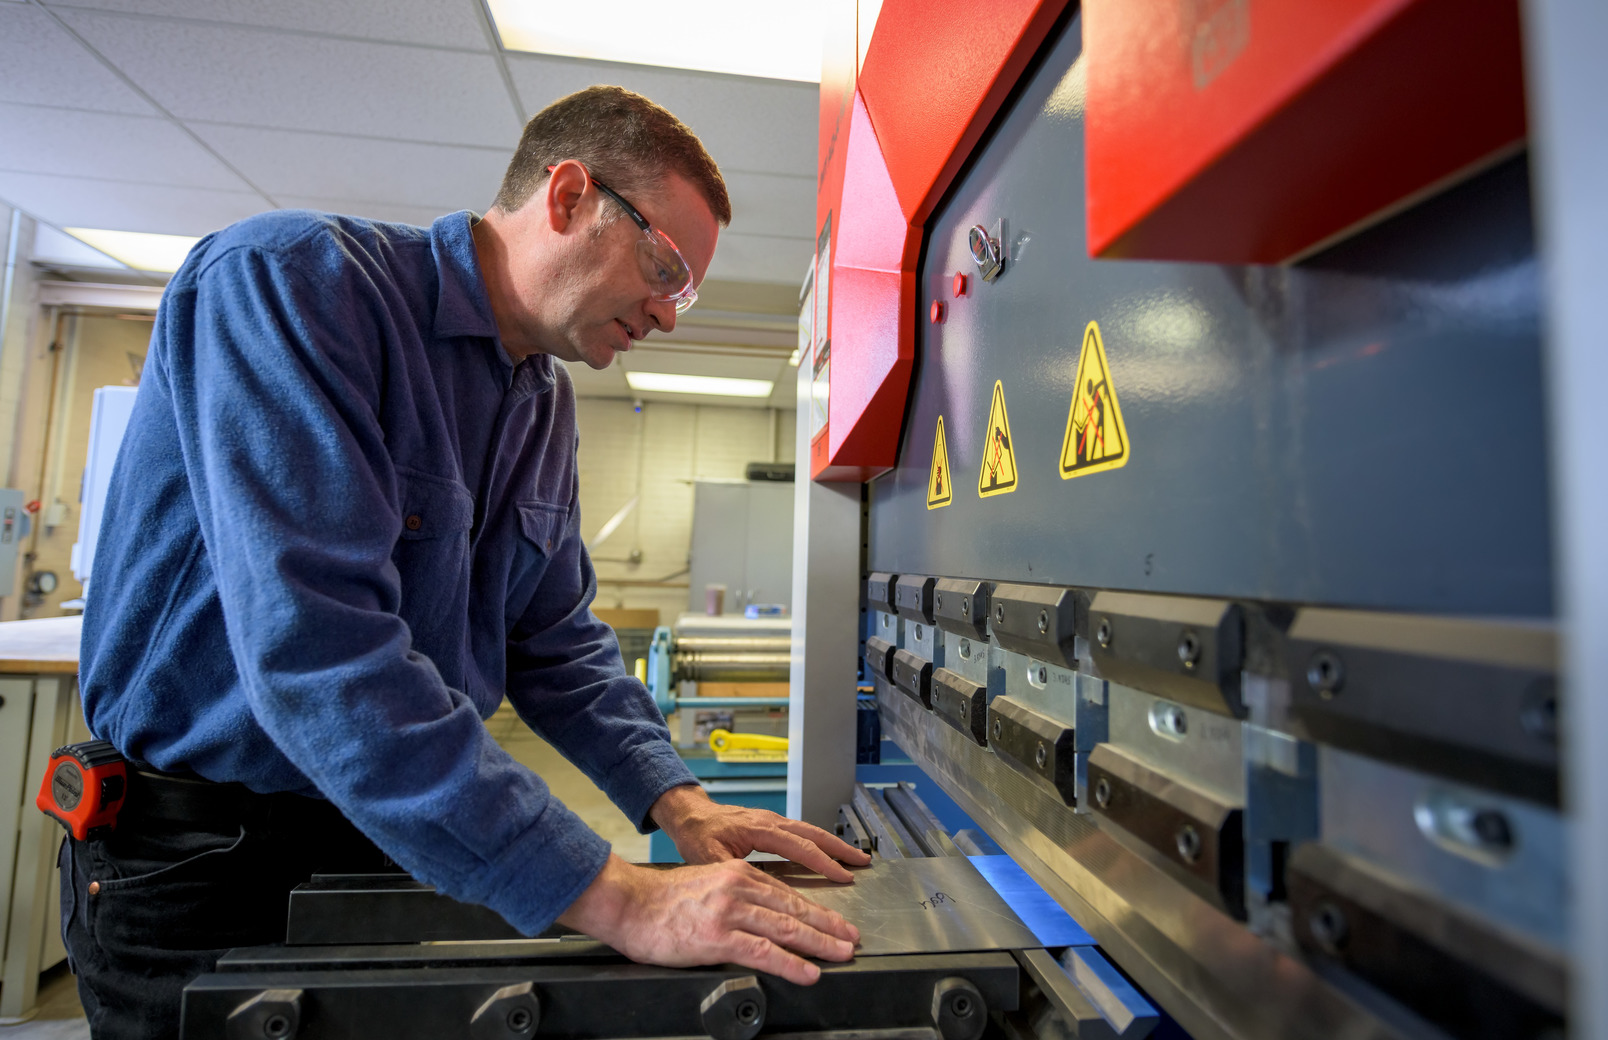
707	832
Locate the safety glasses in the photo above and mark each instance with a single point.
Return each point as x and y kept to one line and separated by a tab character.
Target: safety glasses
668	275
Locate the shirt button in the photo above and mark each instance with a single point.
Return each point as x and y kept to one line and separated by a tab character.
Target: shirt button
414	522
94	888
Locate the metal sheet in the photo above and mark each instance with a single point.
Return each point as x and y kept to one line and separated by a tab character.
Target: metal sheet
1048	919
927	905
1317	433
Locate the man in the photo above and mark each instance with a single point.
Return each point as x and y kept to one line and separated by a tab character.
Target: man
343	526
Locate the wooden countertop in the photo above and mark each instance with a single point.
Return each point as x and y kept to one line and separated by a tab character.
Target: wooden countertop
41	645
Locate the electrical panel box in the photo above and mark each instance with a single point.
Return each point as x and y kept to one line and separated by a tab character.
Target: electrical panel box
14	527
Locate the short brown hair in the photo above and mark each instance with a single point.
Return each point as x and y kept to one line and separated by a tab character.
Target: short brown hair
625	140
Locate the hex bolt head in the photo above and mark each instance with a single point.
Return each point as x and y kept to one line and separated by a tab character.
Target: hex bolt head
958	1009
273	1014
1102	635
1325	674
1493	830
1188	842
1188	649
511	1013
1329	927
734	1010
1044	621
1102	793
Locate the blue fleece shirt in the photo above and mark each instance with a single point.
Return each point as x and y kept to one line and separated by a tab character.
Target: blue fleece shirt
342	526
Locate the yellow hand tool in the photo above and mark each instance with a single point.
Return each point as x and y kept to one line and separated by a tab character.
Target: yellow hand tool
747	747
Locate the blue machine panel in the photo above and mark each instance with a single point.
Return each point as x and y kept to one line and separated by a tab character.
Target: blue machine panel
1362	429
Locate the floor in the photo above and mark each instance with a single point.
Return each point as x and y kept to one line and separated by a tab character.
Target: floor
58	1015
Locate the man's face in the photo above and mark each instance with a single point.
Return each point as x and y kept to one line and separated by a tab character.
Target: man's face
598	301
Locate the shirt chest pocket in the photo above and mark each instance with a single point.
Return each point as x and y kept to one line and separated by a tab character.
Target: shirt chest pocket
543	524
433	508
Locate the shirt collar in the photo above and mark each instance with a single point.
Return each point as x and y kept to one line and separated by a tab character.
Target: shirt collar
462	306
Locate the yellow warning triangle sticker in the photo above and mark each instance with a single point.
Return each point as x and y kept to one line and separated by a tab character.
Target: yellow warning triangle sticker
940	485
1095	437
998	474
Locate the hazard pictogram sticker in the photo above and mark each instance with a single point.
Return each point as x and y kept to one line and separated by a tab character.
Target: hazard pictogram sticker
1095	437
940	486
998	474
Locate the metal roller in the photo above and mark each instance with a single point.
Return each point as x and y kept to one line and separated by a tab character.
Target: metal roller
734	645
730	667
732	626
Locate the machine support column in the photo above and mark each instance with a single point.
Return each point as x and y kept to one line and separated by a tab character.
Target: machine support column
1567	82
826	635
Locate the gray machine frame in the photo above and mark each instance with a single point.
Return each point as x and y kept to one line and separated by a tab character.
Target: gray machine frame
1311	442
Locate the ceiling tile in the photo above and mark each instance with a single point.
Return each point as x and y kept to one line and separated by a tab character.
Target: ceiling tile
119	206
772	204
259	78
291	162
759	258
454	24
765	126
421	216
45	66
143	149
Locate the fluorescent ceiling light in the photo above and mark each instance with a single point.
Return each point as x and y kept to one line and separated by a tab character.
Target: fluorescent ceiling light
718	386
145	252
769	38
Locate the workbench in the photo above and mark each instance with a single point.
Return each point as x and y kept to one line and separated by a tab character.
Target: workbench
39	712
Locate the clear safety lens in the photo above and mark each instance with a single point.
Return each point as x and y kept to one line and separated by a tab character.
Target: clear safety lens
669	278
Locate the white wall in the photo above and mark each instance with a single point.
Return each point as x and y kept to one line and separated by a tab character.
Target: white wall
670	446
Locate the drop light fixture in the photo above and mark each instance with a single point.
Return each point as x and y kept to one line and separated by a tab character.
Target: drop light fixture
766	38
137	249
715	386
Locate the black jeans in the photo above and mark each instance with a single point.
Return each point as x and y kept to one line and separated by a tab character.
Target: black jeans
158	901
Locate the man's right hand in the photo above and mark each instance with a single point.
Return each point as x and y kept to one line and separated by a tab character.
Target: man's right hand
720	913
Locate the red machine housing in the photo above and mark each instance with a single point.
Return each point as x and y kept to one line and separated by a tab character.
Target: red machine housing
893	134
1215	130
1238	132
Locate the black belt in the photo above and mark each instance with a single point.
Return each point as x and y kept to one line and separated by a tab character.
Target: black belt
197	802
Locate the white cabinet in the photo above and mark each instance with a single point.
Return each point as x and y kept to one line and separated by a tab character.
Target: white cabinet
742	538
